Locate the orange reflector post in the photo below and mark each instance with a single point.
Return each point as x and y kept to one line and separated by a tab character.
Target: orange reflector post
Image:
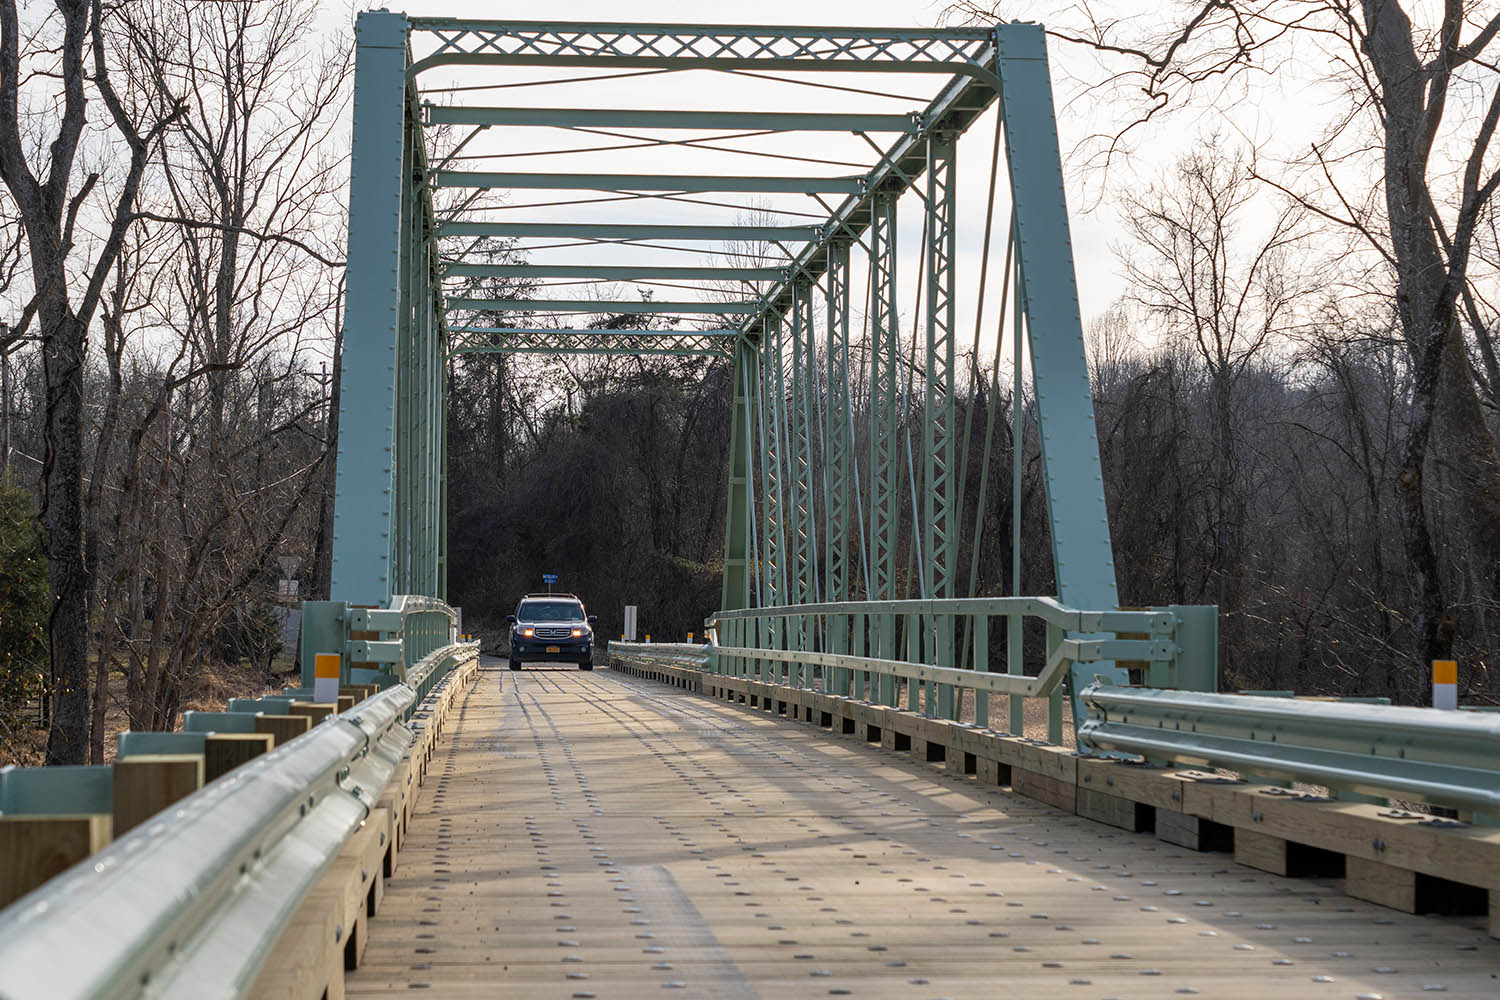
326	677
1445	684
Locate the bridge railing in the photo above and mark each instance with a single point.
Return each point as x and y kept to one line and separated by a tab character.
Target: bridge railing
931	651
1445	758
375	645
190	903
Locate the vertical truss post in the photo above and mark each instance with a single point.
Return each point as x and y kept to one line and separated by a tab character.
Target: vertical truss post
939	540
836	453
884	399
737	546
771	402
885	394
363	539
804	360
1081	549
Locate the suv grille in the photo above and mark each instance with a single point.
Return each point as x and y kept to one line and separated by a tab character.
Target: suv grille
553	632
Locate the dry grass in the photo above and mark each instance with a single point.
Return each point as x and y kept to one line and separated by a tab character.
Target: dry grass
211	687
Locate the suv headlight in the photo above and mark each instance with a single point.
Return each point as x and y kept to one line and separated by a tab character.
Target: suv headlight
528	632
578	633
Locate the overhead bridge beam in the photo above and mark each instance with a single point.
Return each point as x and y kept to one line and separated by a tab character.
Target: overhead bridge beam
506	340
769	121
612	272
628	231
602	306
696	184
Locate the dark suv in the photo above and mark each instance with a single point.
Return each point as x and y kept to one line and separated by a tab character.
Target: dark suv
551	628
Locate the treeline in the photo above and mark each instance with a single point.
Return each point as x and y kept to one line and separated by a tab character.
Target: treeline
617	486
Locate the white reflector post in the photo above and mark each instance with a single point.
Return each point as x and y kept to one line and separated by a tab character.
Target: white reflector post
630	610
1445	684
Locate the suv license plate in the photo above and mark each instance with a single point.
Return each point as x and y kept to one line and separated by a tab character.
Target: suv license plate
554	649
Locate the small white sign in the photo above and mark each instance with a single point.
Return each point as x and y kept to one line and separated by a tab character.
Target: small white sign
630	616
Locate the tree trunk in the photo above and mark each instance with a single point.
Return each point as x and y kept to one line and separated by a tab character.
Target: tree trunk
62	533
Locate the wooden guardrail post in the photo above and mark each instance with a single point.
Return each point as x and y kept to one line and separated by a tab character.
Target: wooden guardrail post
35	848
223	752
146	785
282	727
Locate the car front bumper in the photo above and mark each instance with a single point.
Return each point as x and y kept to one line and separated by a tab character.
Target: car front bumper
567	651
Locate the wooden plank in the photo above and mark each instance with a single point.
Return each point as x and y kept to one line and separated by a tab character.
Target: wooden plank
1383	884
316	712
35	848
1111	810
1261	851
223	752
282	727
1154	786
147	784
794	864
346	702
306	963
1193	832
1467	855
1044	788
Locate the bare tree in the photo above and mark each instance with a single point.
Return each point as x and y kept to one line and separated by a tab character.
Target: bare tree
1425	104
63	66
1226	294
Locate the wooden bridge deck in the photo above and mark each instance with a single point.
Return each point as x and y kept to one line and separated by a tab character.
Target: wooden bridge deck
595	835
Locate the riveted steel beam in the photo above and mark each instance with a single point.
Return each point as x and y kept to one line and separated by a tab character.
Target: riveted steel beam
628	231
767	121
638	272
609	45
507	340
601	306
696	184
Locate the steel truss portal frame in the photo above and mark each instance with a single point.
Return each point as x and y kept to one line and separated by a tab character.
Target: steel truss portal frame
822	479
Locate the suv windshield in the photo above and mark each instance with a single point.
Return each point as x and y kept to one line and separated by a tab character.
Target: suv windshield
550	611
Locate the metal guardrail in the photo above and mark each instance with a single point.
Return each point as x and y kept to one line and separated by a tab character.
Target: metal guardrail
868	649
411	628
669	654
1422	754
190	903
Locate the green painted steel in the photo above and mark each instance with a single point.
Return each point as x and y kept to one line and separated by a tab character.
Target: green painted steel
738	545
60	790
843	481
768	121
885	347
629	231
591	306
705	46
611	273
1082	555
687	183
539	340
365	504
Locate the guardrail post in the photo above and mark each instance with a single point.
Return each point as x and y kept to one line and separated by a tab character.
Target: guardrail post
1196	635
146	785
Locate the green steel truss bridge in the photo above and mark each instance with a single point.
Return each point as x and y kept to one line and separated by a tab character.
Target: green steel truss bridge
775	811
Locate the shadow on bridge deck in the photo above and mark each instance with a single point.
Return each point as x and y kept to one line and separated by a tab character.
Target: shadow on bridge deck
591	834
